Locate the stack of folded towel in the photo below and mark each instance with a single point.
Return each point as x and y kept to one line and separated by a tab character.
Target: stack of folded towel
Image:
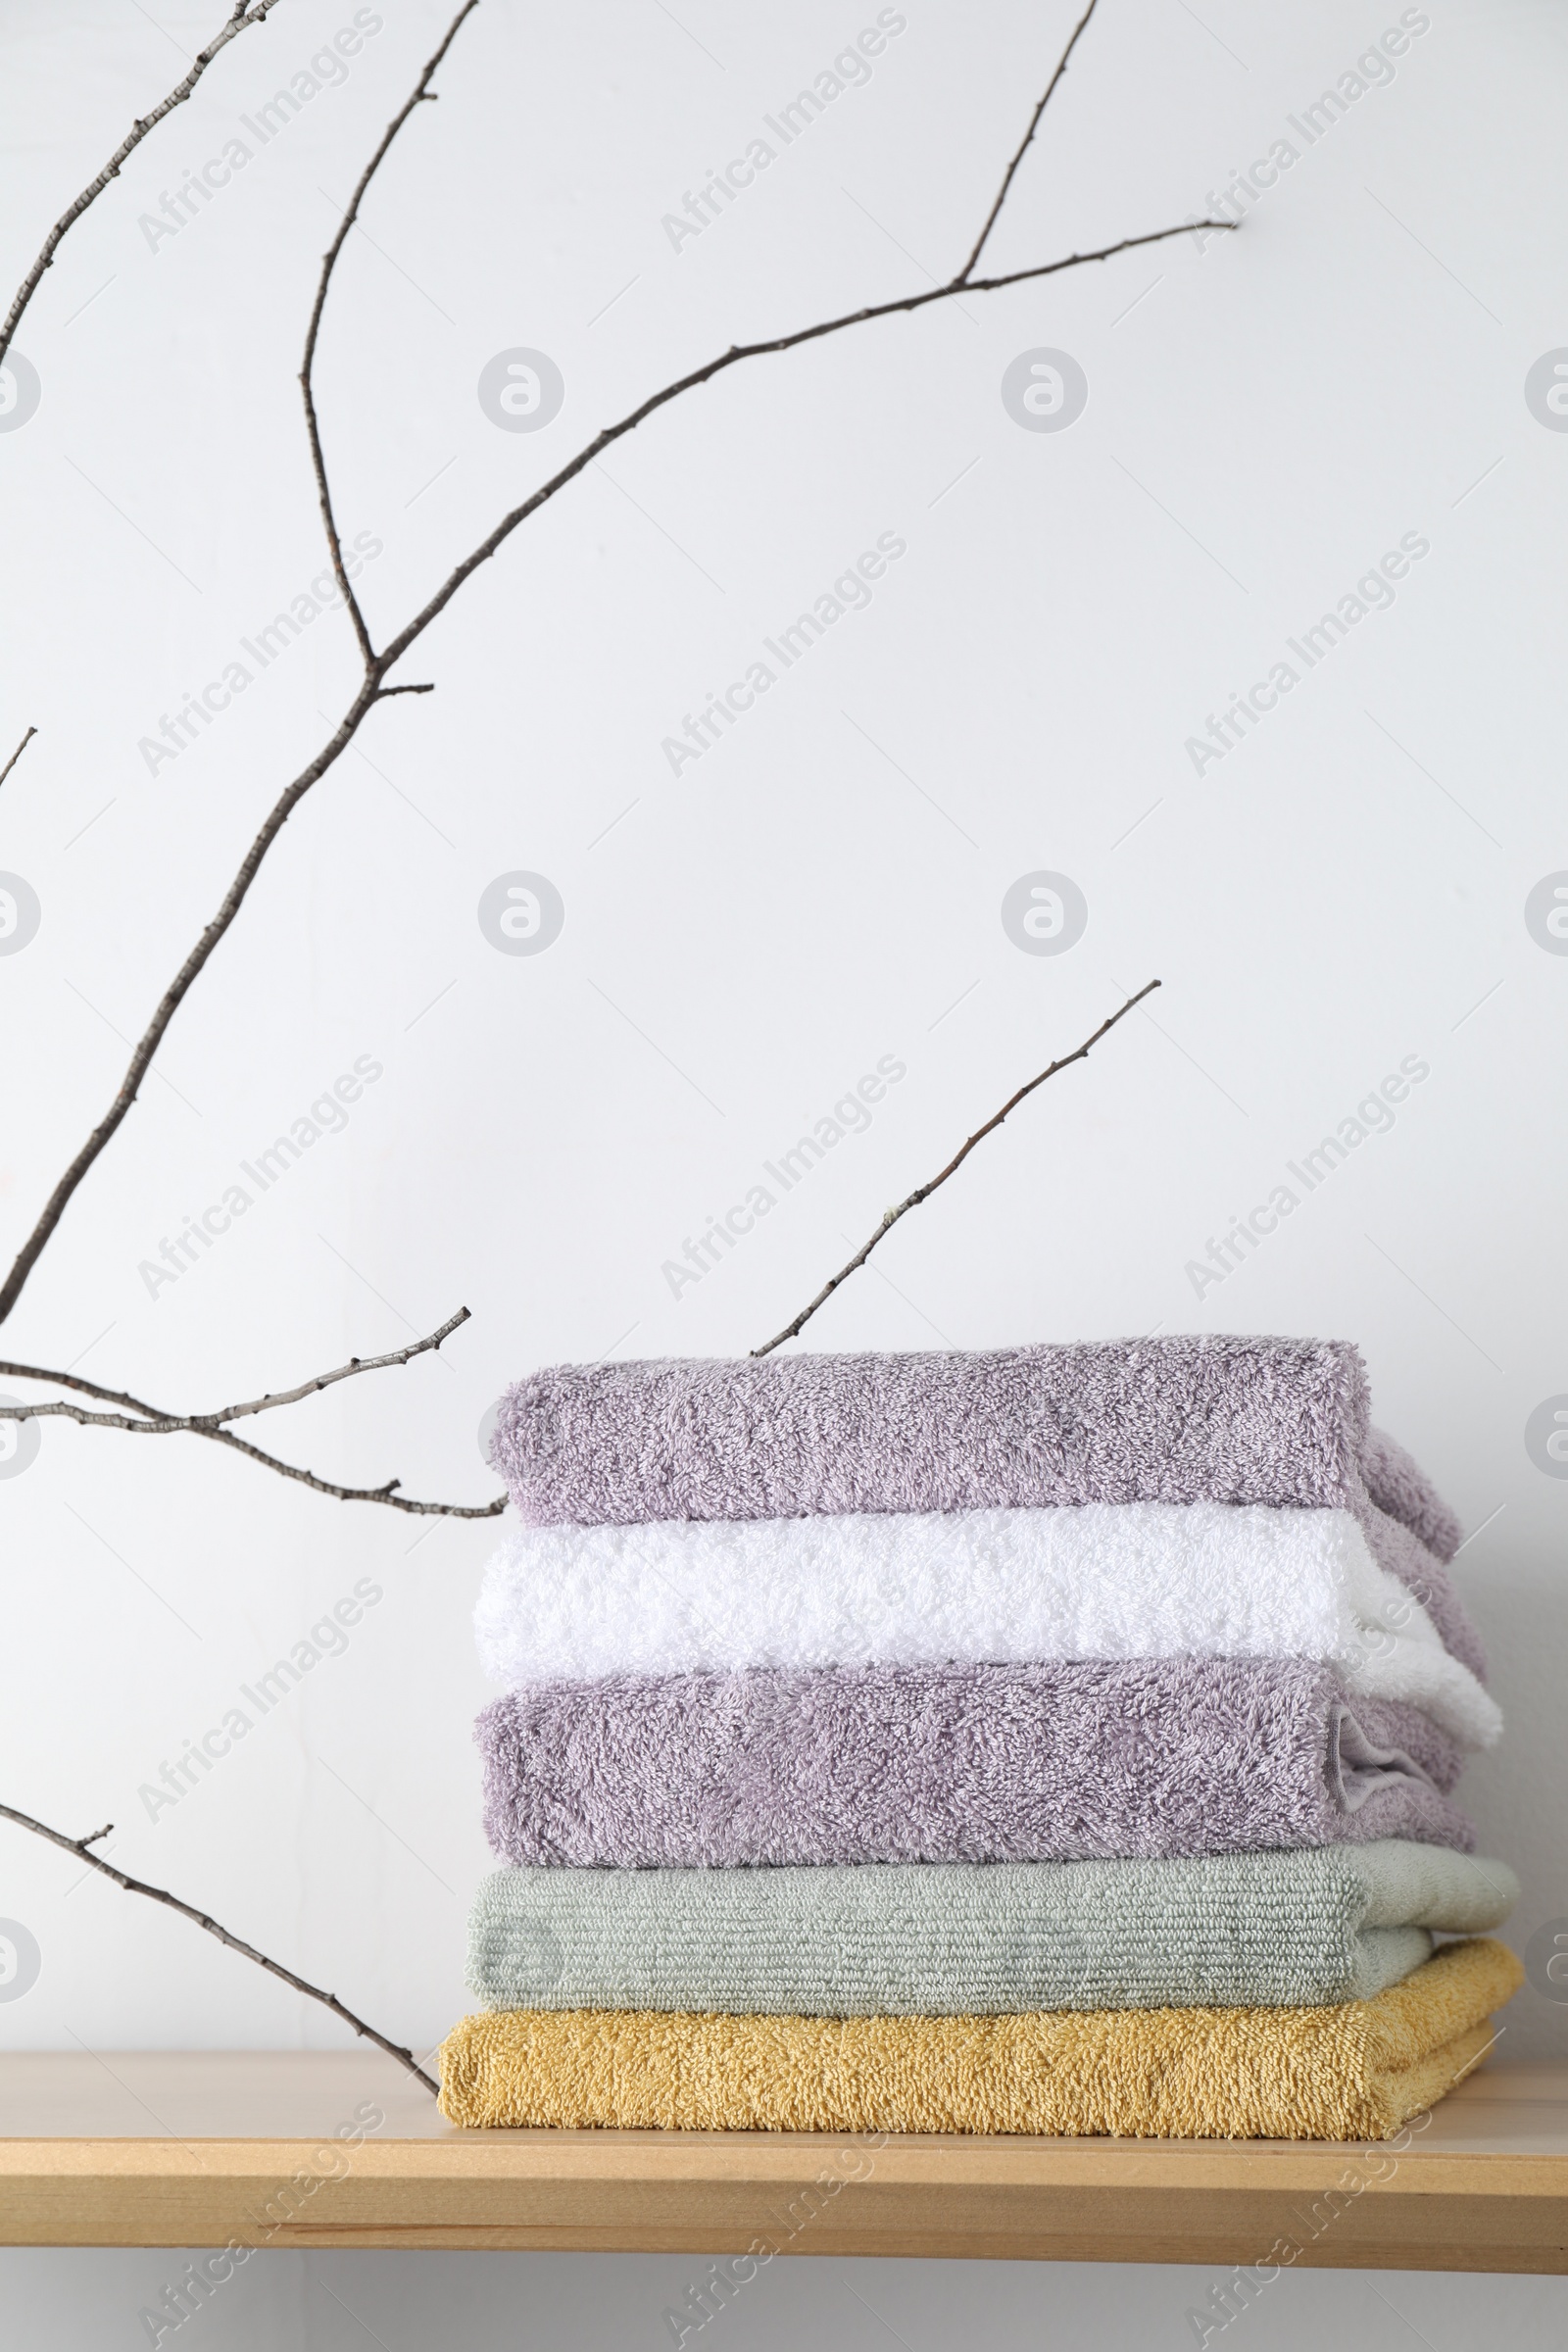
1060	1740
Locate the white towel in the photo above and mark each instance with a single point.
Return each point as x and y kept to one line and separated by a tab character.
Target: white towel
1134	1580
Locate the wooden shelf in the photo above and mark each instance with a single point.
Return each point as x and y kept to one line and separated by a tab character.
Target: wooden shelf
152	2149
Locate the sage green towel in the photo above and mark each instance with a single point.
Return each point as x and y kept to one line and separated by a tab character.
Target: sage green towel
1300	1925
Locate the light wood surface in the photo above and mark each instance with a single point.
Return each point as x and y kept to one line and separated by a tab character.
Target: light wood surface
196	2148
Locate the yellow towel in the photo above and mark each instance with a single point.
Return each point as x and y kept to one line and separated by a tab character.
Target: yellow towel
1355	2071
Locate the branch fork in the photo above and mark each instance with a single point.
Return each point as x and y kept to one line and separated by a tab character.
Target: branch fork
149	1420
146	1419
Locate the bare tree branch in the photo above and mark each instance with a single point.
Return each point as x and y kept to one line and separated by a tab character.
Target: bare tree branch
148	1420
1028	136
17	754
422	91
356	1364
160	1895
163	1422
373	691
732	358
370	692
84	1387
174	996
891	1216
241	18
388	1494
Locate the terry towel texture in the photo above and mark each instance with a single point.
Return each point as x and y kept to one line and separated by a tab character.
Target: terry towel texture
1190	1420
1353	2071
1020	1763
1238	1930
1140	1580
1400	1486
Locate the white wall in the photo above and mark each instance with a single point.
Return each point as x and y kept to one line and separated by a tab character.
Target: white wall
1347	888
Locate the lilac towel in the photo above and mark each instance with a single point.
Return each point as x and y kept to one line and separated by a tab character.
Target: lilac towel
1398	1486
1190	1419
1053	1763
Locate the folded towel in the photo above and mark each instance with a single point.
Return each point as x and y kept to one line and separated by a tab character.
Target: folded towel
1333	1922
1398	1486
1398	1550
1130	1580
958	1764
1353	2071
1188	1419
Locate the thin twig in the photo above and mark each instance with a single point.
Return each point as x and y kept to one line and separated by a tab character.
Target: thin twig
1028	136
323	493
141	1419
388	1494
152	1417
17	754
326	1380
174	996
84	1388
371	691
233	1412
732	358
891	1216
240	19
160	1895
